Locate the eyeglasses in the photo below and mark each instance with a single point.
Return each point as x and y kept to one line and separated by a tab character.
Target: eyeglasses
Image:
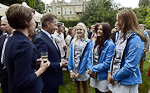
79	29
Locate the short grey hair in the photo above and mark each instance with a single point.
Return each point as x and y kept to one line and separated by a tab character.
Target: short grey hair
3	17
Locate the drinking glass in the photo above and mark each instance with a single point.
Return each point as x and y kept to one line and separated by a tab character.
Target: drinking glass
44	56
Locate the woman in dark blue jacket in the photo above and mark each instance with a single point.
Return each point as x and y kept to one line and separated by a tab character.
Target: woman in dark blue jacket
20	53
100	57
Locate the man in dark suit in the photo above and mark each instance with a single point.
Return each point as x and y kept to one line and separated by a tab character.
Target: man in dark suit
3	40
115	35
52	77
89	32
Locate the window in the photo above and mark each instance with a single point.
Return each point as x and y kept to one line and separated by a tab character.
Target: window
58	11
70	11
73	0
49	10
65	11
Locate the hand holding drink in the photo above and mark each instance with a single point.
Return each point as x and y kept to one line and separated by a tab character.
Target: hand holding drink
43	62
44	58
43	67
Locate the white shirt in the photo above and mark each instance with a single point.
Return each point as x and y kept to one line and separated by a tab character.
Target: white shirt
59	38
68	39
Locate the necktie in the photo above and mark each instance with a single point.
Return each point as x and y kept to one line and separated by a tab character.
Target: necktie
54	42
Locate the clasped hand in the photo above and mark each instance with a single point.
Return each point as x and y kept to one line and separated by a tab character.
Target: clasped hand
64	63
75	75
93	75
110	79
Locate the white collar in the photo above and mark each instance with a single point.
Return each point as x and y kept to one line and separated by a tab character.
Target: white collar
9	35
48	34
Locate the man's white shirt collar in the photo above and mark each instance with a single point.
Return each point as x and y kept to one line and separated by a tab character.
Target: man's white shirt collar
48	34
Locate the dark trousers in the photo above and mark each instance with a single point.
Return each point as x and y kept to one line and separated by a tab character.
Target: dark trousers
55	90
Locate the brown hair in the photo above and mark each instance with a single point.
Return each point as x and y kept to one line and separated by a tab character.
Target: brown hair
19	16
59	24
70	31
106	35
96	27
127	20
47	17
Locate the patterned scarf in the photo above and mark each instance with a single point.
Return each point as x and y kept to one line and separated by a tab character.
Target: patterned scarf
119	52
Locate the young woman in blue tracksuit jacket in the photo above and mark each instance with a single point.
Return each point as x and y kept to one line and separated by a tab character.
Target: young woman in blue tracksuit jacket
78	55
100	56
124	67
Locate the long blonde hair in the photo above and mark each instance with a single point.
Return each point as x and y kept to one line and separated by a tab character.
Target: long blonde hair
127	20
85	32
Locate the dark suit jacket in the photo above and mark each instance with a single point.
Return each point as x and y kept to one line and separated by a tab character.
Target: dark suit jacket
3	72
1	32
89	34
21	61
52	77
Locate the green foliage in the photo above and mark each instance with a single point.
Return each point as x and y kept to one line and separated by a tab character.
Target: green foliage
141	14
99	11
144	3
31	3
147	19
38	5
70	23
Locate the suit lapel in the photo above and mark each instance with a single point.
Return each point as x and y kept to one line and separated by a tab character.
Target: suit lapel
50	42
2	39
58	50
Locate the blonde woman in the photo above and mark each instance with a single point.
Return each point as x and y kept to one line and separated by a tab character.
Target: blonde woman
78	55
